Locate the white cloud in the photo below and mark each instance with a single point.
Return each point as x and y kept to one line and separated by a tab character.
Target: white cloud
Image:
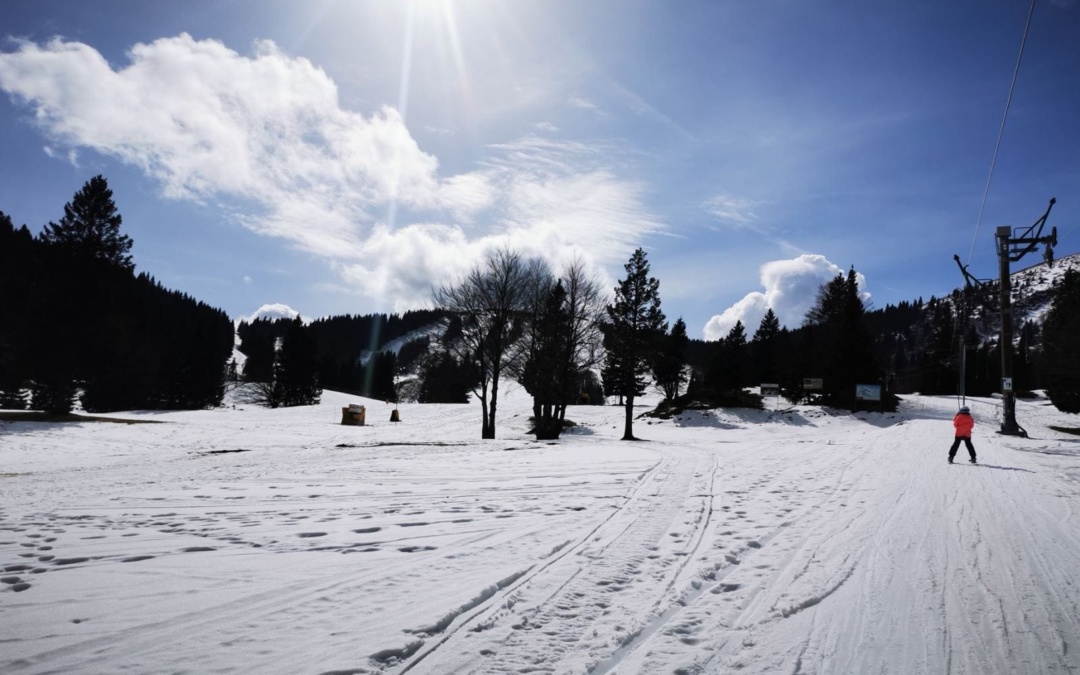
265	137
403	264
791	287
246	279
275	310
208	122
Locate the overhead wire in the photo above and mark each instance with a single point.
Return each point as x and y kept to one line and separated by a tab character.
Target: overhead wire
1001	130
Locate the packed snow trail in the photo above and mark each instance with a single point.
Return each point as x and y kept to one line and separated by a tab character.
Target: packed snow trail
749	541
909	566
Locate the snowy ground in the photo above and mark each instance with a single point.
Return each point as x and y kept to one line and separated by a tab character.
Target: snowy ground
747	542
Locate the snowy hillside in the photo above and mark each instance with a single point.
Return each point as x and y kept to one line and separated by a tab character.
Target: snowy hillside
1032	294
1033	287
277	541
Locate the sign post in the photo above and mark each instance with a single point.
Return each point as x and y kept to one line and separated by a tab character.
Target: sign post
868	392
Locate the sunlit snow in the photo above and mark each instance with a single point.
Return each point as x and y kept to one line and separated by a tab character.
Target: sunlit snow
251	540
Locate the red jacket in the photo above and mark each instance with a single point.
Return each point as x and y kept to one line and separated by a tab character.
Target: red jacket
963	423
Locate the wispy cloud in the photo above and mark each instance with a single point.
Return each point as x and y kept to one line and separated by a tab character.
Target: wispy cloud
585	104
731	209
556	200
265	137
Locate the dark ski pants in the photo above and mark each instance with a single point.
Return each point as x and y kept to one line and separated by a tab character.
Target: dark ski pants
956	445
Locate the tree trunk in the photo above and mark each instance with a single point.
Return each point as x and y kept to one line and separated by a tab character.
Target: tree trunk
628	432
548	426
485	428
489	427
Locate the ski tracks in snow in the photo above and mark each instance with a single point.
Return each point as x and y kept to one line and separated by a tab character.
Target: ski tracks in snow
809	542
582	604
682	566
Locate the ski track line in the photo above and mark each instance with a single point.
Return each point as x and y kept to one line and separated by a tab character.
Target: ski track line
734	619
665	625
665	613
141	639
549	627
1042	579
138	640
807	547
1002	579
530	575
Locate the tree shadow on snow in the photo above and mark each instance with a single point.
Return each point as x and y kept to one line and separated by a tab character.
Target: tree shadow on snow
1003	468
699	418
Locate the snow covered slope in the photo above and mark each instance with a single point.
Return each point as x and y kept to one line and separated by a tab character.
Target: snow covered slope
277	541
1033	290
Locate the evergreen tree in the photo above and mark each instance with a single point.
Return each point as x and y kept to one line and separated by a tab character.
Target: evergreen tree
52	394
670	364
444	380
73	316
729	368
379	377
769	327
55	333
592	389
794	362
566	334
1023	366
411	352
844	350
635	323
937	362
90	227
258	342
1061	358
16	251
547	374
764	348
296	368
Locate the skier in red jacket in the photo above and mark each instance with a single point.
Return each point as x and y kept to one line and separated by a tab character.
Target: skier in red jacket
963	423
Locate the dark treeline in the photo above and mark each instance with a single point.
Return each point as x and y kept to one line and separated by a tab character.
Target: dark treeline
835	344
917	346
925	346
349	351
75	319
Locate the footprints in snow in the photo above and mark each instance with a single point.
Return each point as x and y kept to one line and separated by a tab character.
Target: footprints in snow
41	543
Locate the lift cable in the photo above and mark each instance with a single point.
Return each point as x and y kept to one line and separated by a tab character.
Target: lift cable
1001	131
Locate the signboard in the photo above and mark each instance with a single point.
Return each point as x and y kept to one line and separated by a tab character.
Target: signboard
814	383
770	389
868	392
1006	384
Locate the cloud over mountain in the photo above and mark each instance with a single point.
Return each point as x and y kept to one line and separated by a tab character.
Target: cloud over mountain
790	288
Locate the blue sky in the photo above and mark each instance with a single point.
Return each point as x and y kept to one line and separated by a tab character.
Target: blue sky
342	157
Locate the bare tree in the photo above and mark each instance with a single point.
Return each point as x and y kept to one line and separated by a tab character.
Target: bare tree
585	301
564	343
492	302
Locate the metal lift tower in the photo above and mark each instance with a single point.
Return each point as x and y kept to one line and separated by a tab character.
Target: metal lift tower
1011	247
